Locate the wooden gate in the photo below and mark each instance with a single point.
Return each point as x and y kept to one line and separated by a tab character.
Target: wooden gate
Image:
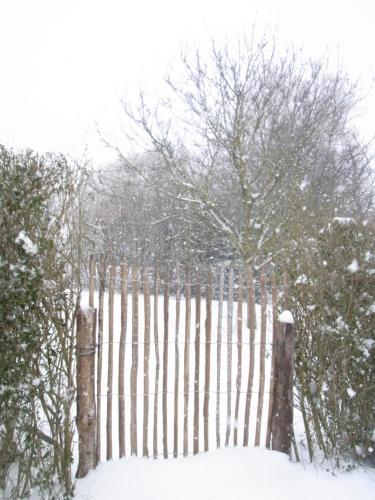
185	360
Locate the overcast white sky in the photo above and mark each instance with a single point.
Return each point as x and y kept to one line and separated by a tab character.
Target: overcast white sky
64	63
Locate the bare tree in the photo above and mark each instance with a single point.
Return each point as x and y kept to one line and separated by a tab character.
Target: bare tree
267	131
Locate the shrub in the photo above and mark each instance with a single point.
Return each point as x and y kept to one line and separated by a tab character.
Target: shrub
334	302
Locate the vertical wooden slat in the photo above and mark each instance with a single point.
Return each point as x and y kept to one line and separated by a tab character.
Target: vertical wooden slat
134	368
197	363
91	280
165	367
186	362
274	334
239	356
251	326
121	362
146	383
218	355
229	355
262	356
100	356
177	365
208	327
111	294
157	365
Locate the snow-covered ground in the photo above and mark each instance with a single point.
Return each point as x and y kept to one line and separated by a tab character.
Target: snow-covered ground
227	474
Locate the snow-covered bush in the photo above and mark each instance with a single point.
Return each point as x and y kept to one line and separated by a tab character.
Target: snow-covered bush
37	306
334	306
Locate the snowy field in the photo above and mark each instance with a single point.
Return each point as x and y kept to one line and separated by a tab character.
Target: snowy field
229	474
225	474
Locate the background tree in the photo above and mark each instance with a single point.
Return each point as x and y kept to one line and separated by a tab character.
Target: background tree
252	145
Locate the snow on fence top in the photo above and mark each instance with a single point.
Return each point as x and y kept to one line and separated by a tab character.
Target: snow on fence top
286	317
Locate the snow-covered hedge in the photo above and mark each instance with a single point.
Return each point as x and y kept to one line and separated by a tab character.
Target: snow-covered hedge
334	307
37	305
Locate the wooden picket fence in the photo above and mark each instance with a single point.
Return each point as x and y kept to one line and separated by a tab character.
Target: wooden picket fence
179	336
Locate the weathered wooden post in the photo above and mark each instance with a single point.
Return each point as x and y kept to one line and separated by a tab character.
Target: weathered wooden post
274	326
165	366
207	375
134	366
282	408
111	300
262	356
121	359
251	323
187	363
86	408
157	365
176	364
100	356
146	360
229	355
197	363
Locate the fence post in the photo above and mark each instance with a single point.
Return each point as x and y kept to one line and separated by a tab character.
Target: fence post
218	355
274	326
165	364
146	360
187	363
251	324
282	410
239	356
207	376
134	366
177	365
262	356
121	359
197	362
100	356
91	280
157	365
229	355
86	409
111	299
